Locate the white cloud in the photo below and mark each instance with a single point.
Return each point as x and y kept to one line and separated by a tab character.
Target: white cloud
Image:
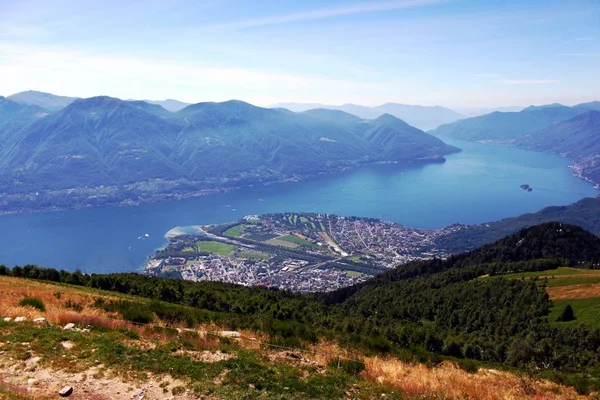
361	8
527	81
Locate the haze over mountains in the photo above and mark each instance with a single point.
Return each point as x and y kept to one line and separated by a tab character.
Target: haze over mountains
105	150
422	117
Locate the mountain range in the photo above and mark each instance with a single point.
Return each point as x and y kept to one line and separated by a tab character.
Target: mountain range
572	132
422	117
104	150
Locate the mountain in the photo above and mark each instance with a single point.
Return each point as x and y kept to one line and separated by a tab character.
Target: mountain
592	105
477	111
422	117
507	126
48	101
169	104
14	116
106	150
585	213
577	138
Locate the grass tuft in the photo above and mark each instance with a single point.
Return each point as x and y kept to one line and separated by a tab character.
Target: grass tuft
33	302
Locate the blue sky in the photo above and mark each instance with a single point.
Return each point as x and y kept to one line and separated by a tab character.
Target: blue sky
456	53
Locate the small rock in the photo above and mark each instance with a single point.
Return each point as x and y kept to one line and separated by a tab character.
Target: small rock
40	320
137	393
69	327
20	319
32	361
66	391
7	319
32	382
68	345
229	334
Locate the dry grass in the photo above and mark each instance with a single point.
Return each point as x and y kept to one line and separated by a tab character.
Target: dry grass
443	381
580	291
15	289
450	382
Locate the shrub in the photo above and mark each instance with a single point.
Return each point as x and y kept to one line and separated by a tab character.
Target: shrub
58	295
351	367
137	314
468	365
131	334
73	306
33	302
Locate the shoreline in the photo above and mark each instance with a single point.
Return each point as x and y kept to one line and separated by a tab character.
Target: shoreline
207	192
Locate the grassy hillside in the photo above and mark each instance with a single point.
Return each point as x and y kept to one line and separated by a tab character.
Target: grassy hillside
425	311
577	287
105	356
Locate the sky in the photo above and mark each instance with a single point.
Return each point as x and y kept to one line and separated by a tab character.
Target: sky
455	53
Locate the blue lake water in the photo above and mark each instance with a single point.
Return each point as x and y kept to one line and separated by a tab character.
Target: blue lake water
477	185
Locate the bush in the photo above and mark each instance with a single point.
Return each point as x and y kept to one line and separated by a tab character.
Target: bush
468	365
131	334
33	302
73	306
351	367
137	314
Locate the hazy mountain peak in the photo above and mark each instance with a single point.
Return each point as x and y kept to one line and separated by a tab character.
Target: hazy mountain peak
45	100
532	107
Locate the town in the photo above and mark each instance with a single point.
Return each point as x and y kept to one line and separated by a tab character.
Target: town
302	252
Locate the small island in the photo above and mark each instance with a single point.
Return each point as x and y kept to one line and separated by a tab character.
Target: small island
527	188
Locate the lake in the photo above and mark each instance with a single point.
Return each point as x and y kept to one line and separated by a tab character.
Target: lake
480	184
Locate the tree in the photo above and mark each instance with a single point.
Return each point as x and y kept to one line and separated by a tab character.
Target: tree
567	314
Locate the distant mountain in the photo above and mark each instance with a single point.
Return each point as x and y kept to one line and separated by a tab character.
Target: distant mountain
585	213
14	116
169	104
592	105
477	111
577	138
422	117
104	150
48	101
508	126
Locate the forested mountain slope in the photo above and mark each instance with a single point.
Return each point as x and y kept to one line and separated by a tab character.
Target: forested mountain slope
114	151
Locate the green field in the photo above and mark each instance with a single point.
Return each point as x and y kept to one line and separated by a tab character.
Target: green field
563	276
235	231
215	247
253	256
353	274
554	272
282	243
587	308
587	312
295	239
